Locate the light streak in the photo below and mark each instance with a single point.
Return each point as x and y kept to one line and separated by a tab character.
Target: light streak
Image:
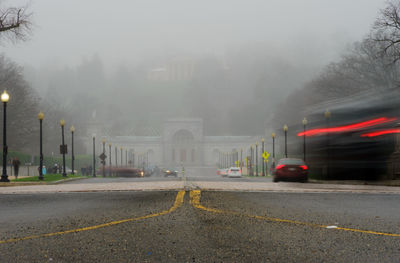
346	128
380	132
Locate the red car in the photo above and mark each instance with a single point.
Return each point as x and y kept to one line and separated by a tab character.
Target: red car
291	169
222	172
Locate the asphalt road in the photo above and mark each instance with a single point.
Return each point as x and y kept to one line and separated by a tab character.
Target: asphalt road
197	226
196	174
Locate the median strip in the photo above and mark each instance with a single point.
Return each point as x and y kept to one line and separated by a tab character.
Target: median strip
195	196
177	204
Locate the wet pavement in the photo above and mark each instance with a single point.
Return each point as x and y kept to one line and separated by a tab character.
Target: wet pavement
198	226
199	217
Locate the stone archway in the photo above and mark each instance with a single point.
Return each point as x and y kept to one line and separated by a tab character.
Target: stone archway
183	150
151	156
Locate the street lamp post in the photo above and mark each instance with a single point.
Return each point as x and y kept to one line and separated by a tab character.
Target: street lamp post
256	159
285	129
237	158
94	155
147	159
126	157
327	115
72	129
304	138
41	117
241	159
122	164
262	158
104	160
116	156
251	160
4	98
62	123
273	150
109	158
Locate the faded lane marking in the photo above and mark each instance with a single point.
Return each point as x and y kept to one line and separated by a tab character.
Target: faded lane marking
195	196
177	204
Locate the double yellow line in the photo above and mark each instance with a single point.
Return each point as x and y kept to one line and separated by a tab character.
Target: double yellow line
195	201
177	204
195	196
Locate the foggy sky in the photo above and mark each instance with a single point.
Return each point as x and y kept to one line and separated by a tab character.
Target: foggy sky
128	31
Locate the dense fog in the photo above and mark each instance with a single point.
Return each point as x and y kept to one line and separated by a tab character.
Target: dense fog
130	65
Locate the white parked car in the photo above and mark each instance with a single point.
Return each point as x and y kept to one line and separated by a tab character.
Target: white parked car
234	172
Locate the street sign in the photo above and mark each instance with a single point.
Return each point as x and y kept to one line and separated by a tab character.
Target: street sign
63	149
265	155
102	156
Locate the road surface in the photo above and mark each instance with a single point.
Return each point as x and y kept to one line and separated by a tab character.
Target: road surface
199	226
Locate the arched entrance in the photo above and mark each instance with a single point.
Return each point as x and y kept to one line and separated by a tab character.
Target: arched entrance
183	148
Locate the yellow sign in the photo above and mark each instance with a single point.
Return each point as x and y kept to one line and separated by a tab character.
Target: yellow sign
265	155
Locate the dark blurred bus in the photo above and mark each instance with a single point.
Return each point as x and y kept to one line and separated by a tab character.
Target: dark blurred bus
357	142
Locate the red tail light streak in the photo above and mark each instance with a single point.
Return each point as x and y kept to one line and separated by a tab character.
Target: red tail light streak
381	132
346	128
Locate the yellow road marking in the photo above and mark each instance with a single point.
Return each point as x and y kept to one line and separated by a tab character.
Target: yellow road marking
195	196
177	204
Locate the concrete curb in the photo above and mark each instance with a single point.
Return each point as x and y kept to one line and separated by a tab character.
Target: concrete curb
32	183
66	180
14	184
357	182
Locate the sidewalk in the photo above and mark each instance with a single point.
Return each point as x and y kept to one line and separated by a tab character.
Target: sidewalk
93	187
357	182
202	185
291	187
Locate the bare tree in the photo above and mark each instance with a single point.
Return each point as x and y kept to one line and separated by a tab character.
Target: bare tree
15	23
362	70
23	106
386	30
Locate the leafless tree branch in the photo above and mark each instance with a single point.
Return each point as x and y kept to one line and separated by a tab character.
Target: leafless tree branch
386	31
15	23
